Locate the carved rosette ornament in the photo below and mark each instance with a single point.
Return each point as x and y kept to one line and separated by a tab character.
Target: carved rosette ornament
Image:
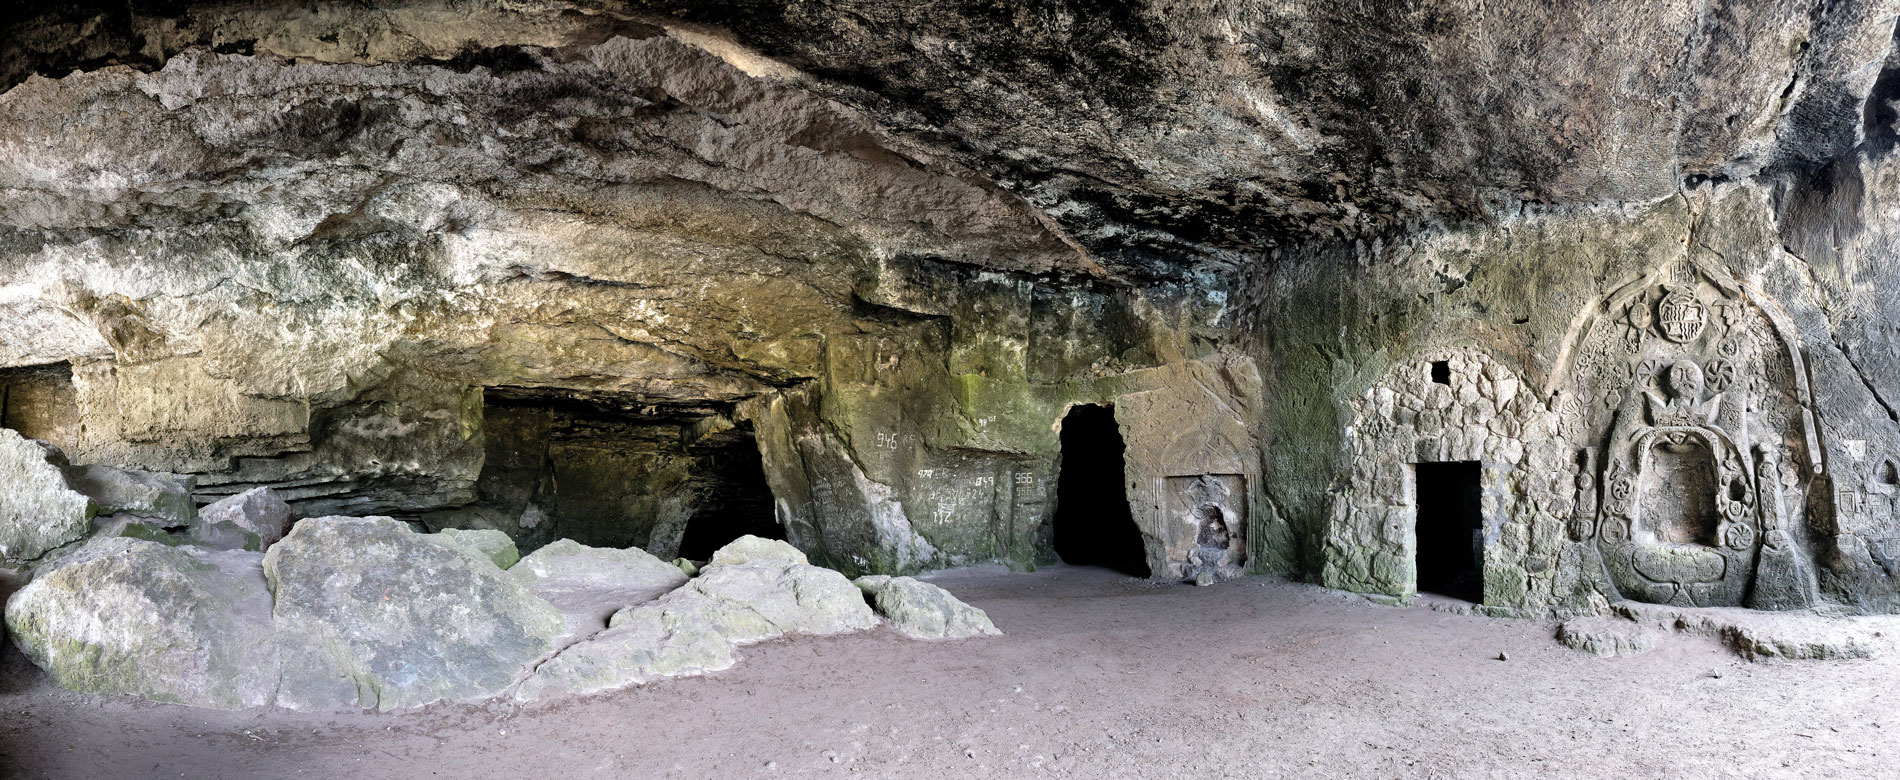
1720	374
1677	516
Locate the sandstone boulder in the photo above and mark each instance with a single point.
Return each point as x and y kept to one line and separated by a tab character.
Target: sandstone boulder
590	584
750	548
252	520
491	544
765	599
694	628
405	618
679	634
920	610
135	527
115	491
38	512
122	615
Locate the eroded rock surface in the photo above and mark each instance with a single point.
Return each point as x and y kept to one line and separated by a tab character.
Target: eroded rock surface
165	498
252	520
590	584
38	512
396	618
920	610
754	590
1608	637
490	543
173	624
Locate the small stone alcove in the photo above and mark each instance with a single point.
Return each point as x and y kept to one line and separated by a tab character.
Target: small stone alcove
1209	513
39	402
1677	496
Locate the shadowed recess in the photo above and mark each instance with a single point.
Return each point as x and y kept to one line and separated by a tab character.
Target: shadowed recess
1450	528
1093	526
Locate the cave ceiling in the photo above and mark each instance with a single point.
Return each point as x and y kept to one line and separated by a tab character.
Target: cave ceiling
1138	140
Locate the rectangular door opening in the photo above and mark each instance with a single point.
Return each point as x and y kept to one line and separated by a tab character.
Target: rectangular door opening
1450	530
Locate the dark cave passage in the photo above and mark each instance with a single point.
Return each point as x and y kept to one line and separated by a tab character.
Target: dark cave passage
1449	527
1093	526
734	499
609	470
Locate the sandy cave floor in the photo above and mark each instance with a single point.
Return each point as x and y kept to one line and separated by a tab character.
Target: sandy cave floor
1100	676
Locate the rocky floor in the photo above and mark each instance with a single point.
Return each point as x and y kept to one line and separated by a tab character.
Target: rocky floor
1099	675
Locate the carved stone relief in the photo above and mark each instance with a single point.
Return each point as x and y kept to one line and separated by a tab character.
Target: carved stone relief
1694	438
1208	518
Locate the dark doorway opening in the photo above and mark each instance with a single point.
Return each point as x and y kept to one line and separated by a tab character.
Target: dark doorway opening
1093	526
734	499
1450	529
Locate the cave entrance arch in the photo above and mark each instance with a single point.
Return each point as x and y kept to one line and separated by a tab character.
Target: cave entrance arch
610	469
1093	523
734	498
1450	529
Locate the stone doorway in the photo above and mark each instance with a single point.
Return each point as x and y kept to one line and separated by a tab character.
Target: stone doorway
1093	524
1450	529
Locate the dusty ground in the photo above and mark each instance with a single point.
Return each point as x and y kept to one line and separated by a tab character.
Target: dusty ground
1100	676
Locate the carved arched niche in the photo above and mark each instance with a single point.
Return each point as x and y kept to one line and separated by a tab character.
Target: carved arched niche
1444	406
1686	397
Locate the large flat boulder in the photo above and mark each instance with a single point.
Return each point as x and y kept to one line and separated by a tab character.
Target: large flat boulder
765	599
749	548
491	544
38	512
680	634
408	618
252	520
590	584
164	498
129	616
694	628
920	610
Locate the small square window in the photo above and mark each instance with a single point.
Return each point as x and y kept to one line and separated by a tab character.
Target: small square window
1441	372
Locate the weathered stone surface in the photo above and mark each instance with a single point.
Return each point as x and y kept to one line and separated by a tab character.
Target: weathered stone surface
920	610
175	624
763	599
399	618
491	544
693	629
38	512
749	549
138	527
1775	635
252	520
115	491
677	635
1607	637
590	584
